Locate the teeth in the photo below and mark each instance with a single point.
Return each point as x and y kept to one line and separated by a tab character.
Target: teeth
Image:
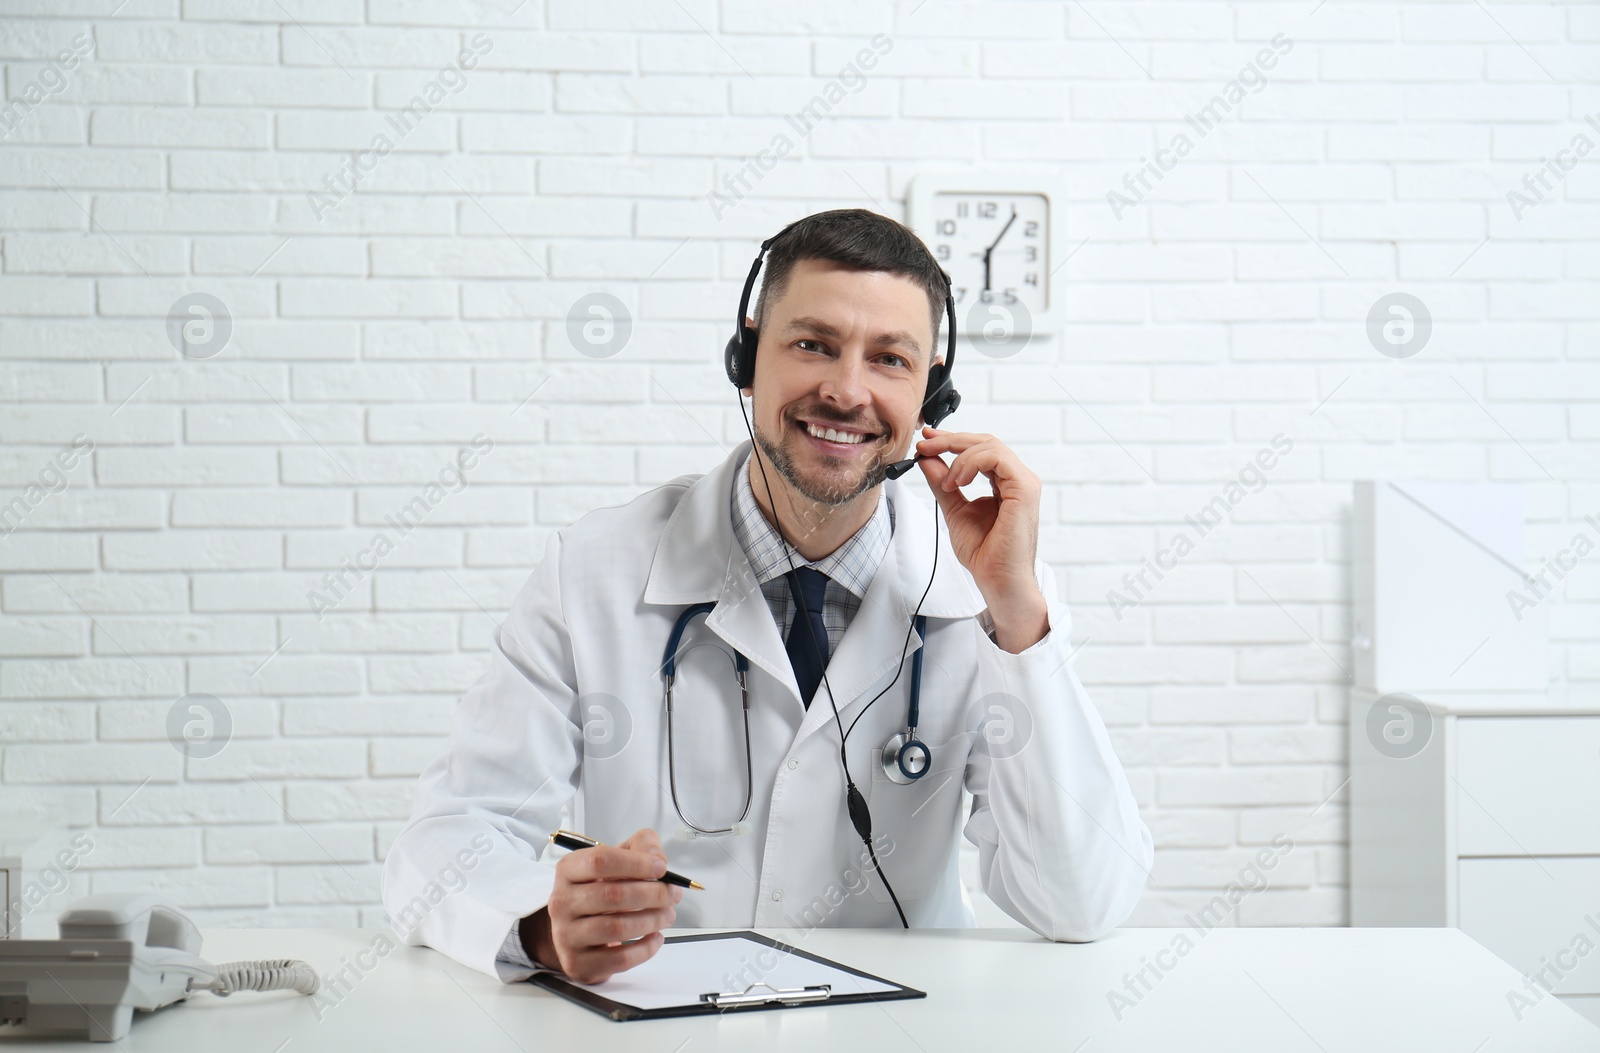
831	435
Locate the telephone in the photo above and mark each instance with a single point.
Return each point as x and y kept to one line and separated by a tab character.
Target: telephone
121	951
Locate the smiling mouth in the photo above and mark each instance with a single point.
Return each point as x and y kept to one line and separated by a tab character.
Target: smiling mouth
835	440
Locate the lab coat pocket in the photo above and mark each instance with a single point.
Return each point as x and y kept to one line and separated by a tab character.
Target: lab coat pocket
915	827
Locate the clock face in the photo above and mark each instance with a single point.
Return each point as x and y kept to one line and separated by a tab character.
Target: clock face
996	248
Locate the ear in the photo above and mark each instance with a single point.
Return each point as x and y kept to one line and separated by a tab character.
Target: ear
749	322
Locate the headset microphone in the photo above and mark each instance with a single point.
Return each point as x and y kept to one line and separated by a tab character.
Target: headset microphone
899	468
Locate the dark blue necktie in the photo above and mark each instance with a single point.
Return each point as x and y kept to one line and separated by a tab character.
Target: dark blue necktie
808	586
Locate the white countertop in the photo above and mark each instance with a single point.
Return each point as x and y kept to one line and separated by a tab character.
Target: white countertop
988	989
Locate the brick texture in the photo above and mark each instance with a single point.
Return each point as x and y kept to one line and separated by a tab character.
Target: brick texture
367	289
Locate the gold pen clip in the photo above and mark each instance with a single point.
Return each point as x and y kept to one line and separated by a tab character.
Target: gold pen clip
591	842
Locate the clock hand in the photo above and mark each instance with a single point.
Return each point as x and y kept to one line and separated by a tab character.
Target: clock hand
988	252
1005	228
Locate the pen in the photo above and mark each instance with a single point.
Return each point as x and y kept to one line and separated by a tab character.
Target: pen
568	839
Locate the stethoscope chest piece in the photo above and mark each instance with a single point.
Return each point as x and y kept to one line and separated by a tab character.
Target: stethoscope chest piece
905	759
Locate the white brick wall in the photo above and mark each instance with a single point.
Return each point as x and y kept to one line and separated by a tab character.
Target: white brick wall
374	335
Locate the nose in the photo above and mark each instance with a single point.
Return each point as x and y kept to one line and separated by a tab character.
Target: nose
845	385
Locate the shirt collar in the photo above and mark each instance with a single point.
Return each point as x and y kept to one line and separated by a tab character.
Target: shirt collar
852	564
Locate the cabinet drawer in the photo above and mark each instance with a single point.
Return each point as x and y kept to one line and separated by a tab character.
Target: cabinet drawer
1531	912
1528	786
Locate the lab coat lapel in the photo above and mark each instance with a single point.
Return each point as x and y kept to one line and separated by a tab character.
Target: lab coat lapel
698	558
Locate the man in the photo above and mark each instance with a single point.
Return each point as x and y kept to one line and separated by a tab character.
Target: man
571	709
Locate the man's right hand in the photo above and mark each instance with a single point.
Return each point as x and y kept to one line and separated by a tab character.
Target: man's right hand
603	896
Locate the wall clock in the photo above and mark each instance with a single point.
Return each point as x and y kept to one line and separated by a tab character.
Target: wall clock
999	237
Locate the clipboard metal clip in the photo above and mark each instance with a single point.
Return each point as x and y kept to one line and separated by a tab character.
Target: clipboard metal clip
786	995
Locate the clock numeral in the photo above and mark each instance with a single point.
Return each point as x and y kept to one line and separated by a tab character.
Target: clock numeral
946	227
961	293
1030	229
1031	253
1031	278
942	250
987	296
987	209
1011	296
961	209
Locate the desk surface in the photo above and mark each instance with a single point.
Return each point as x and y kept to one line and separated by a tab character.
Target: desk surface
1235	990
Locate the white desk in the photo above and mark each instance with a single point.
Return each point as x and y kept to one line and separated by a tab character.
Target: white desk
988	989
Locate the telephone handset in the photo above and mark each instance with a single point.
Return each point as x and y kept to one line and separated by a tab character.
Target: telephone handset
134	947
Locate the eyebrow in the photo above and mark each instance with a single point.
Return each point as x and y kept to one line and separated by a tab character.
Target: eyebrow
821	328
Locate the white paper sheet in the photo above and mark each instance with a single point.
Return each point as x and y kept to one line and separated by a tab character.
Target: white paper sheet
680	972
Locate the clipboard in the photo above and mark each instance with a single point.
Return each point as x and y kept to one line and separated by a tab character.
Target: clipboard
743	946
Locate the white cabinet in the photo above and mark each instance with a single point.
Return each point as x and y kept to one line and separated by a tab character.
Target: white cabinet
1530	786
1556	914
1474	785
1491	826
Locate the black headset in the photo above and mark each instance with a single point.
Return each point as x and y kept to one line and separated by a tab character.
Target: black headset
939	399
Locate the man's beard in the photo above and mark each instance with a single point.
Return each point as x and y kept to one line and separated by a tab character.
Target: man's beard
781	457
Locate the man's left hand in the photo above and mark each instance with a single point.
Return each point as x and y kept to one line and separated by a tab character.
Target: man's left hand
996	537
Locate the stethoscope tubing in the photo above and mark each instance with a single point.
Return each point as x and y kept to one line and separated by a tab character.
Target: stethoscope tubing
741	664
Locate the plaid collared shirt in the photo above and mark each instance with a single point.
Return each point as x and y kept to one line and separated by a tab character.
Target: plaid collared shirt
849	567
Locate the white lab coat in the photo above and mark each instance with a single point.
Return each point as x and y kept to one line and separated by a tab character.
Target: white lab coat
570	709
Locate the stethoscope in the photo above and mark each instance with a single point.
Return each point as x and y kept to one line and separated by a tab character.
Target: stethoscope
905	757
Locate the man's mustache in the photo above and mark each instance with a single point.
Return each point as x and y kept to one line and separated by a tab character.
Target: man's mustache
854	425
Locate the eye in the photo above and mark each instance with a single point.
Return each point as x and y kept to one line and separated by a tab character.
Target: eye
800	344
897	360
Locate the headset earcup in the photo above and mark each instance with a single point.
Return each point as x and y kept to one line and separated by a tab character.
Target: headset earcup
930	395
730	359
938	401
737	362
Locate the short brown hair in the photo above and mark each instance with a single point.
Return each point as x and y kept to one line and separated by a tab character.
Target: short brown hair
854	237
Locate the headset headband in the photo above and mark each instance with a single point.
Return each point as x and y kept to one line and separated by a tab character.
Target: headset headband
949	303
